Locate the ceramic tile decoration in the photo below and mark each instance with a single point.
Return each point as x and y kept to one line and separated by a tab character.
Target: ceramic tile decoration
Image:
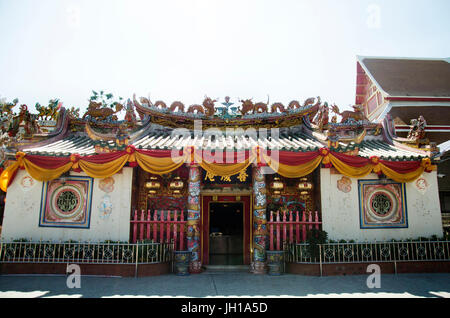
382	204
66	202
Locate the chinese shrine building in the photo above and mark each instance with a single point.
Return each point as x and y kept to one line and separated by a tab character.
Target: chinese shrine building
216	177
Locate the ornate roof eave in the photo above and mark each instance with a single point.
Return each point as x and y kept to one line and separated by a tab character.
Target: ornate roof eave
311	131
391	138
68	125
262	120
324	136
39	139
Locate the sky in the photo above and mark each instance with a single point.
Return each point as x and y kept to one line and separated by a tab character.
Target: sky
183	50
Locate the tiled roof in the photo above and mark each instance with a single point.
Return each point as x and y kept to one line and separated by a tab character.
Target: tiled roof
80	144
83	145
385	151
410	76
294	142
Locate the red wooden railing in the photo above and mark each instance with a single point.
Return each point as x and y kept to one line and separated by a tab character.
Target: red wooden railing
159	227
297	228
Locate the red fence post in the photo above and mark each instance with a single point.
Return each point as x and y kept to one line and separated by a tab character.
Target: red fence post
175	225
271	231
148	224
297	227
310	220
317	220
141	227
291	228
168	227
278	230
303	226
154	225
161	227
182	230
284	227
135	226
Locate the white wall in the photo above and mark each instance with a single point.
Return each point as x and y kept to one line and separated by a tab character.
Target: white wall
340	211
21	217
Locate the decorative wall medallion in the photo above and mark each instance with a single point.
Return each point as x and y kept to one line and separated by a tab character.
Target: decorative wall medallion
421	185
105	207
382	205
27	183
344	184
66	202
106	185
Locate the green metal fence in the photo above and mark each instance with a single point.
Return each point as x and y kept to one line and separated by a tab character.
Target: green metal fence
85	253
368	252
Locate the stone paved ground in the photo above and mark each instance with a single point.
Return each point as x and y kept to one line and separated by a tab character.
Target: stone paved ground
239	284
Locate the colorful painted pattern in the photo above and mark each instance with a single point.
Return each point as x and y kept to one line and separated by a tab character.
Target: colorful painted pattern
105	208
259	216
167	203
382	204
193	219
344	184
66	203
106	184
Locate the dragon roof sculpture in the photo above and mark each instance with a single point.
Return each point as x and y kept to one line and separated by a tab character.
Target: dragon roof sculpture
249	114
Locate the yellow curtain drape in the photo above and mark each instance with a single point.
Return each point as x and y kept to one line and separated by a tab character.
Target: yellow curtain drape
7	174
103	170
349	171
288	171
159	165
218	169
401	177
163	165
42	174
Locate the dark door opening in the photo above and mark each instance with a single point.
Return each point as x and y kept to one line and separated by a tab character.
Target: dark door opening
226	234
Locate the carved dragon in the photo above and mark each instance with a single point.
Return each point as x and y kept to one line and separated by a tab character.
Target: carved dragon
277	107
357	115
177	105
258	108
96	111
49	112
208	104
197	108
296	104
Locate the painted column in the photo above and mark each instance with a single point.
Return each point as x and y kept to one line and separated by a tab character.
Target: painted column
193	219
259	221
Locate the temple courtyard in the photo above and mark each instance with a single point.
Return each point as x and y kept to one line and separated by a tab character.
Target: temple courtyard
228	284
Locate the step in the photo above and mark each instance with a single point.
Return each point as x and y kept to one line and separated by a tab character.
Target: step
227	268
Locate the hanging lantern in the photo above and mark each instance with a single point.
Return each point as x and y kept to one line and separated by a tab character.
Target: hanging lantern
153	185
176	185
277	186
305	186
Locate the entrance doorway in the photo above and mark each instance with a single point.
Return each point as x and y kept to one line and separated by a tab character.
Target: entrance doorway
226	237
226	230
